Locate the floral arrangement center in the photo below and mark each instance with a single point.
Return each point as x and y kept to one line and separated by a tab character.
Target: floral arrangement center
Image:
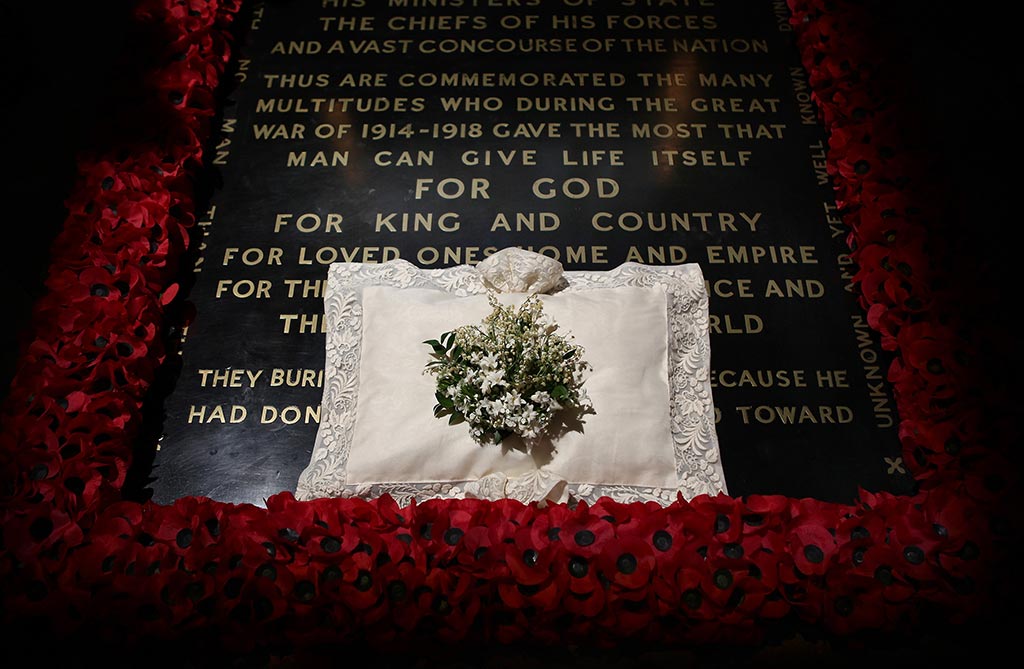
509	374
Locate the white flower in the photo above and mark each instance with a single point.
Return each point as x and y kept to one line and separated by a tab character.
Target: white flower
489	361
528	416
497	407
490	379
513	398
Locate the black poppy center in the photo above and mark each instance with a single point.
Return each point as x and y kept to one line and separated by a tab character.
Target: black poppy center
626	563
363	581
733	551
305	591
584	538
578	567
913	555
397	590
814	554
722	523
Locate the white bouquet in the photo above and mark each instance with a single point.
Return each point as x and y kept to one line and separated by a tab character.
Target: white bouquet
507	375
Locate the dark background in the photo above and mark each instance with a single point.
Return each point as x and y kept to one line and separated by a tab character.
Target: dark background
62	70
65	65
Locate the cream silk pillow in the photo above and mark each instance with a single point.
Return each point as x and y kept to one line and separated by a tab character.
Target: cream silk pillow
644	332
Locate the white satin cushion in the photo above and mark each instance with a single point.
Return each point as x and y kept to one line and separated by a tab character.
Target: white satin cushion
623	331
644	329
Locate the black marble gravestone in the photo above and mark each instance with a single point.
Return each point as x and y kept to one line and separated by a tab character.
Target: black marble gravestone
594	132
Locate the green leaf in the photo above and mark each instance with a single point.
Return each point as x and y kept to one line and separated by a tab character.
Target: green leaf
433	343
444	400
559	392
441	412
456	418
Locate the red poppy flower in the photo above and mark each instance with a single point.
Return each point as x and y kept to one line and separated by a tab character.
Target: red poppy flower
582	577
530	565
288	514
454	603
812	547
109	550
27	536
848	104
935	352
359	588
849	611
584	533
940	441
721	518
442	524
963	538
401	581
890	218
84	484
666	530
763	512
191	16
628	564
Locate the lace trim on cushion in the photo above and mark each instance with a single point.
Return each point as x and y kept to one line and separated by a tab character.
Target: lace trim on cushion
691	409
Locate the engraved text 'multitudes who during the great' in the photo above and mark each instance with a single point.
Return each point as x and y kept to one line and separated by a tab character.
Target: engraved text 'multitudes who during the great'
522	103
